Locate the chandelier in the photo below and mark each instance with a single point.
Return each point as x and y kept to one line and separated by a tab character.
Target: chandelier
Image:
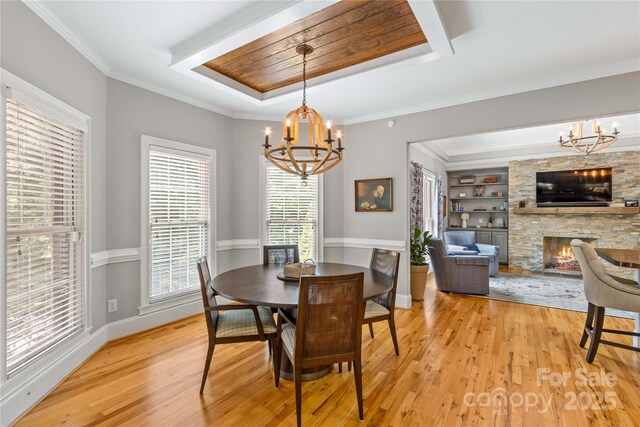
597	140
318	155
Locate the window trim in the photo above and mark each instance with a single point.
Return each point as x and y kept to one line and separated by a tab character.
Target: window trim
168	146
12	86
263	198
433	202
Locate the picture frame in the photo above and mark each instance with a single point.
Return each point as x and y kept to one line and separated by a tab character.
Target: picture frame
373	195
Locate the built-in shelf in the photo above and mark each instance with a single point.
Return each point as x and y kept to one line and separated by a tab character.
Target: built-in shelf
479	183
578	210
478	229
476	198
488	236
471	211
480	174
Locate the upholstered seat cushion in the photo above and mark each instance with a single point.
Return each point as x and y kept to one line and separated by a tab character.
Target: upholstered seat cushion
238	323
288	337
373	309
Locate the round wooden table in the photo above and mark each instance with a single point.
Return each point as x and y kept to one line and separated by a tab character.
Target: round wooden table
258	285
629	258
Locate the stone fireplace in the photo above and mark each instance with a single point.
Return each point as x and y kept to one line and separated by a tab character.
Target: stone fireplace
558	257
528	234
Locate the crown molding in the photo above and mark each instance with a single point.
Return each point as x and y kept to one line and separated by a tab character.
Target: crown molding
503	159
561	80
38	7
441	158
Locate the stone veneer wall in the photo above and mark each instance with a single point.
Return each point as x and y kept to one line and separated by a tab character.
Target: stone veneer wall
617	231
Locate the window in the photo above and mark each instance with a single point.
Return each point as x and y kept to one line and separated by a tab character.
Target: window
45	248
430	210
291	211
178	198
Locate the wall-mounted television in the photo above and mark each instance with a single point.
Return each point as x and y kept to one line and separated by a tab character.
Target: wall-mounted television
583	187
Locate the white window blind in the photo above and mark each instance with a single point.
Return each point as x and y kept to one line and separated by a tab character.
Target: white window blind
45	242
179	212
292	211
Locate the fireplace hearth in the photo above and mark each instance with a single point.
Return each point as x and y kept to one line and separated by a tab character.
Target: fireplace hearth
558	256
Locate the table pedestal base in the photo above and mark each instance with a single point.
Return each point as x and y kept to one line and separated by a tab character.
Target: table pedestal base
308	374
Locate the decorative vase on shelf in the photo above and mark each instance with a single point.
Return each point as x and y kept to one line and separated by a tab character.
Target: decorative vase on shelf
465	219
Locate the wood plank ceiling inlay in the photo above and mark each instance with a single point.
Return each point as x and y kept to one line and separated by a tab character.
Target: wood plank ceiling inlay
344	34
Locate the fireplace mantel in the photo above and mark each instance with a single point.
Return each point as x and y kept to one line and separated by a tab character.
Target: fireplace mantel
578	210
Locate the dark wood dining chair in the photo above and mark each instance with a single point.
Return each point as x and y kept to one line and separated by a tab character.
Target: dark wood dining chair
328	329
286	254
382	308
232	323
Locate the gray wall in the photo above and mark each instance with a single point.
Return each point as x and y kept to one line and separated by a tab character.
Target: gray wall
31	50
374	150
132	112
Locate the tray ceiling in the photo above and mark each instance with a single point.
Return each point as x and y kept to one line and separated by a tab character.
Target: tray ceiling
342	35
161	46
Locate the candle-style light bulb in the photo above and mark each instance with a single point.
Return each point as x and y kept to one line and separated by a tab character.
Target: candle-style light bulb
329	130
267	132
339	140
288	124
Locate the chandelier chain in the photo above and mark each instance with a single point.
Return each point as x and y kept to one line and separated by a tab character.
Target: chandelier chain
304	78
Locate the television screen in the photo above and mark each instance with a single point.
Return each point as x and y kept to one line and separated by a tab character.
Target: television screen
573	187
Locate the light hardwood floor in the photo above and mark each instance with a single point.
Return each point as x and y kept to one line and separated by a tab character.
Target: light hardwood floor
454	350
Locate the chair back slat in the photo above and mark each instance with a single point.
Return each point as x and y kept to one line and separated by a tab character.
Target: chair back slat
330	314
387	263
280	254
208	294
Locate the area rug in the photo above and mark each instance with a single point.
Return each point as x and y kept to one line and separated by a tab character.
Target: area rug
545	291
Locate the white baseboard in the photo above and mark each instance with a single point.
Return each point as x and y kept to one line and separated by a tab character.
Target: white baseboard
403	301
132	325
36	388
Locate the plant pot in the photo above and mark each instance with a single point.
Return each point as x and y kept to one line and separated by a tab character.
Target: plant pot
418	281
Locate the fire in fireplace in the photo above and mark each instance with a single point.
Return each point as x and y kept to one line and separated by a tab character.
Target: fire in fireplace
558	255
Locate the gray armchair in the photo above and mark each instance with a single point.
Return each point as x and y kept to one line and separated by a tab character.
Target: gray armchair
461	274
468	238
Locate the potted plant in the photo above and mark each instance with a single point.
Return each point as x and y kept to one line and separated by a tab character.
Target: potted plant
419	265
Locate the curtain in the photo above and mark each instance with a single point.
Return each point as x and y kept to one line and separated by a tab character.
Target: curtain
441	207
417	196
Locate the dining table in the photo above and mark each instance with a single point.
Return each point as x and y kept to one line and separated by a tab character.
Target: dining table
260	285
628	258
